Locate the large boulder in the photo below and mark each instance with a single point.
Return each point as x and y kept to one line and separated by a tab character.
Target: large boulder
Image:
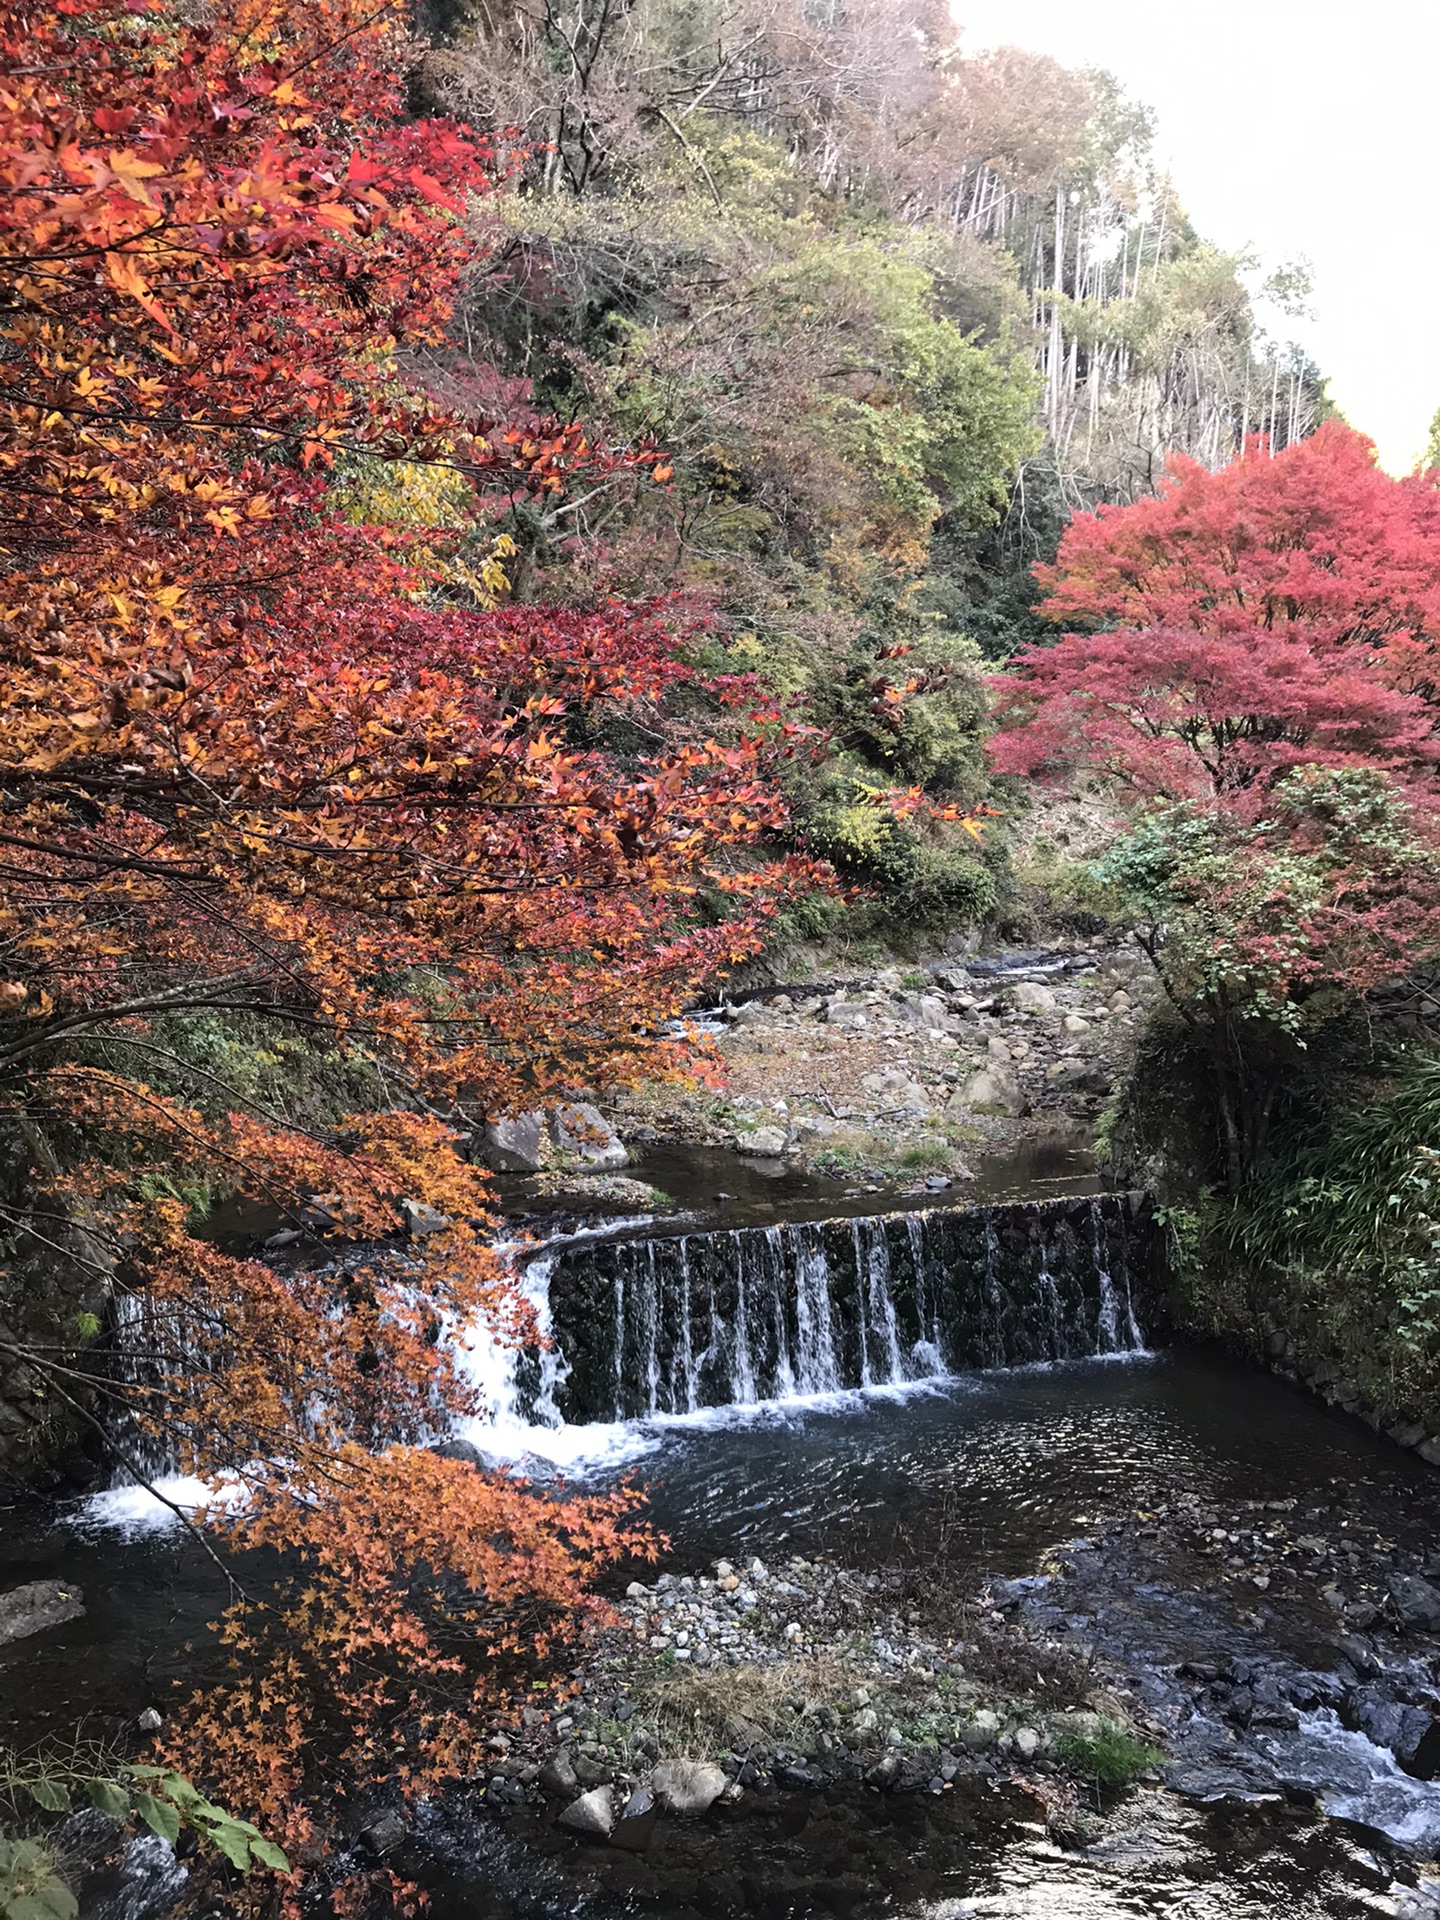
995	1089
1031	996
518	1145
592	1813
1416	1601
36	1607
763	1143
688	1786
1411	1732
580	1132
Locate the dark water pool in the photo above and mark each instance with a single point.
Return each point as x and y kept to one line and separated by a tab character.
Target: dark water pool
982	1473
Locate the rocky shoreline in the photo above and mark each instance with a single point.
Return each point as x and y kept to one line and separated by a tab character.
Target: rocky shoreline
805	1678
889	1068
1037	1707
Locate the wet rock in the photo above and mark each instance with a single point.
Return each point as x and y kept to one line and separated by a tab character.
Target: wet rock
1006	1594
1012	960
593	1813
518	1145
559	1778
37	1607
384	1833
1410	1732
635	1828
1415	1600
592	1769
688	1786
458	1450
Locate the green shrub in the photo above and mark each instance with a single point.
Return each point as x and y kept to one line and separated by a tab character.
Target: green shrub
1106	1752
927	1156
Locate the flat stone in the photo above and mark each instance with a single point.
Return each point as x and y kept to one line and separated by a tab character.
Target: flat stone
36	1608
688	1786
592	1813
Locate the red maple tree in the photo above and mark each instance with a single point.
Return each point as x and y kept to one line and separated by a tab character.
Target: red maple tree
1276	613
267	758
1250	667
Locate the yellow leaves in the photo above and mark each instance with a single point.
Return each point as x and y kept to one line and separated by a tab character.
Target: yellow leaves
131	173
125	275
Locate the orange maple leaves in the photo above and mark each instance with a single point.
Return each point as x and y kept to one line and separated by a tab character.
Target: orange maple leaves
261	764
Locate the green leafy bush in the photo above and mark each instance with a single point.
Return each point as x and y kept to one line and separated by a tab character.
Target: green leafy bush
1106	1752
32	1886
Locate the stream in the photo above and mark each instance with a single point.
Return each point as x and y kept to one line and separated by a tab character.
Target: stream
871	1433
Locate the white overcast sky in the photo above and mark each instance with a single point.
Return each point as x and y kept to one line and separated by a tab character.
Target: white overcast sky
1296	127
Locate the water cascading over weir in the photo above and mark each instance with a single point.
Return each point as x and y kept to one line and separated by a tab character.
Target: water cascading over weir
673	1324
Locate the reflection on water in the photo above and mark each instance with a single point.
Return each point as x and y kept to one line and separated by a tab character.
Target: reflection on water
998	1466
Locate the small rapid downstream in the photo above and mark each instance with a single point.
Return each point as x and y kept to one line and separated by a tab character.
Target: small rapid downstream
967	1391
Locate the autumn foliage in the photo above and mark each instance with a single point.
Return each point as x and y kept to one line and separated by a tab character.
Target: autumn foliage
265	757
1251	666
1273	614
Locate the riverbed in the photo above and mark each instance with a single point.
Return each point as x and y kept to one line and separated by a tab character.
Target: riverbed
981	1474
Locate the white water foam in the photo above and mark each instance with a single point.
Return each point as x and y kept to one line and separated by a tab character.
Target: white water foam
136	1511
600	1447
1356	1780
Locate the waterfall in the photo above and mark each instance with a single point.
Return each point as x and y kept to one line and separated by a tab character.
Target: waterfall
642	1329
671	1325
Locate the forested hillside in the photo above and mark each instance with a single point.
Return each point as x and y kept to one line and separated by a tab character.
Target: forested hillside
893	311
